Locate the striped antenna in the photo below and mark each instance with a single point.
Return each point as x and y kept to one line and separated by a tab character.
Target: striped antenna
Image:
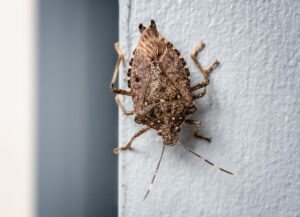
155	173
206	160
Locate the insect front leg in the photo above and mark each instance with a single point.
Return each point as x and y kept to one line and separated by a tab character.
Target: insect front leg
119	103
198	124
116	71
205	72
128	145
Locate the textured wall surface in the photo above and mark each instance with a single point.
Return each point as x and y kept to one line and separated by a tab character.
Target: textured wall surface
251	110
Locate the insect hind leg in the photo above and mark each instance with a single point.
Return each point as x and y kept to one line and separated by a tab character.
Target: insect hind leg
198	124
205	72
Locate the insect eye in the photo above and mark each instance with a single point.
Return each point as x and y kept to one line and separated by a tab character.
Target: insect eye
159	133
141	27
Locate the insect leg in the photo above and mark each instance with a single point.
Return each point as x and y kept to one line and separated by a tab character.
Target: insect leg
206	160
198	124
194	54
128	145
116	71
199	95
205	72
194	122
119	103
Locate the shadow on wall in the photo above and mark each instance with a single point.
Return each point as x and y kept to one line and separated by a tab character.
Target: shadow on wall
77	171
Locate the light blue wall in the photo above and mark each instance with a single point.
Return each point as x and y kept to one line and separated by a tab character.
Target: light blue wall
251	110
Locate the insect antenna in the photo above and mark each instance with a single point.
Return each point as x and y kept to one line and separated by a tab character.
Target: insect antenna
206	160
155	173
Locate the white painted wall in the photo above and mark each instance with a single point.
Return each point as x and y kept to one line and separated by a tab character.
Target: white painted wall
17	107
251	110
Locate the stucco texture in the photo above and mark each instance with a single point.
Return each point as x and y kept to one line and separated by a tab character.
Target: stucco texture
251	110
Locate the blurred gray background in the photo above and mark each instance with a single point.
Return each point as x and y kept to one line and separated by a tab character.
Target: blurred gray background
77	117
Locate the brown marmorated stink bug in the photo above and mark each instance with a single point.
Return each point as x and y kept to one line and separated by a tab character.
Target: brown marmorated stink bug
159	84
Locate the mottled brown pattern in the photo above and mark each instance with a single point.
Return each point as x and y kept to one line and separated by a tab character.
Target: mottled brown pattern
160	85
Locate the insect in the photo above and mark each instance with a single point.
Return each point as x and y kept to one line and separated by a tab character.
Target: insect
159	84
